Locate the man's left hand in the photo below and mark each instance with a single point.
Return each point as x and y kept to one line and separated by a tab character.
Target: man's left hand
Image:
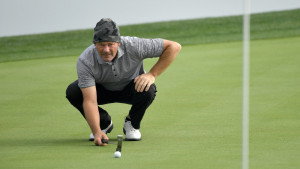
143	82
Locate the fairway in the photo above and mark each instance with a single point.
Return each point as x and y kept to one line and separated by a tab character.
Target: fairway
194	122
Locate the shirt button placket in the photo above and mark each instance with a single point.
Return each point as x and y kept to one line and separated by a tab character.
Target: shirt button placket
114	70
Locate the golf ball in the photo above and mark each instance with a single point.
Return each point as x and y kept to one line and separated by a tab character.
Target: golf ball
117	154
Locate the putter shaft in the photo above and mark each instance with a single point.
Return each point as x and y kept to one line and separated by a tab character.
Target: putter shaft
107	142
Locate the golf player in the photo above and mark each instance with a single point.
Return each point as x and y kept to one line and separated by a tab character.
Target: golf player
111	71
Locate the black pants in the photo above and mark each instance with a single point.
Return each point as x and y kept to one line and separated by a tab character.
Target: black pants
140	101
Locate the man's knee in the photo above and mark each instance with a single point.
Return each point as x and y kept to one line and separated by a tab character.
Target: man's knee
73	92
150	94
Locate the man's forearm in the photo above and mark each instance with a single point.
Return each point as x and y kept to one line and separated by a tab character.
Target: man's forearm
92	116
170	52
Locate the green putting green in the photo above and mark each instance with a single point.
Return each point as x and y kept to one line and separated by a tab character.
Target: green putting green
194	122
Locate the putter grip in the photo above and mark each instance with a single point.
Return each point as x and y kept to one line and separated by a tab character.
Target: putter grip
104	141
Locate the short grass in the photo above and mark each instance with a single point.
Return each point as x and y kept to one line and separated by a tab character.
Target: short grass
195	121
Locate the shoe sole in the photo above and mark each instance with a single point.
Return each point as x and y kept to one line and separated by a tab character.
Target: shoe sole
130	139
108	131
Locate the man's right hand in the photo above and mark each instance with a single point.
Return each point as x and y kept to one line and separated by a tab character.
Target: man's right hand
98	137
91	112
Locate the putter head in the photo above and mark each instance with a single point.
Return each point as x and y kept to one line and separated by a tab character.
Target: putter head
120	140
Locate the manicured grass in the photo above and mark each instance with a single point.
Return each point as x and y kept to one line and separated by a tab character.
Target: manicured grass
187	32
195	121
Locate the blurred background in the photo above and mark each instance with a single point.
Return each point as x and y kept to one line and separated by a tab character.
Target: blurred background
20	17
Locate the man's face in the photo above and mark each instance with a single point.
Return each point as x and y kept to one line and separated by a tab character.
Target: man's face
107	50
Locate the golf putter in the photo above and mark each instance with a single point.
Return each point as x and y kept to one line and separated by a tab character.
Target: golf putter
120	140
119	145
106	141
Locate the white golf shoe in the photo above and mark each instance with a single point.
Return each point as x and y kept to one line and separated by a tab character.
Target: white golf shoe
131	134
107	130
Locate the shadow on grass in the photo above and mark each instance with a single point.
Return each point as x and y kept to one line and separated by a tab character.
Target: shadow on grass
35	142
44	142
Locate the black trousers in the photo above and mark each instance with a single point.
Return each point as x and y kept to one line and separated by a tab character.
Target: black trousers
140	101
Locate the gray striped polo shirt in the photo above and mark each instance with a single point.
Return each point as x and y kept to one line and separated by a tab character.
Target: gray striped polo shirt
127	65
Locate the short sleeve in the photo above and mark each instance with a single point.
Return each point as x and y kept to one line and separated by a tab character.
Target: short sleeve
143	48
85	75
150	48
